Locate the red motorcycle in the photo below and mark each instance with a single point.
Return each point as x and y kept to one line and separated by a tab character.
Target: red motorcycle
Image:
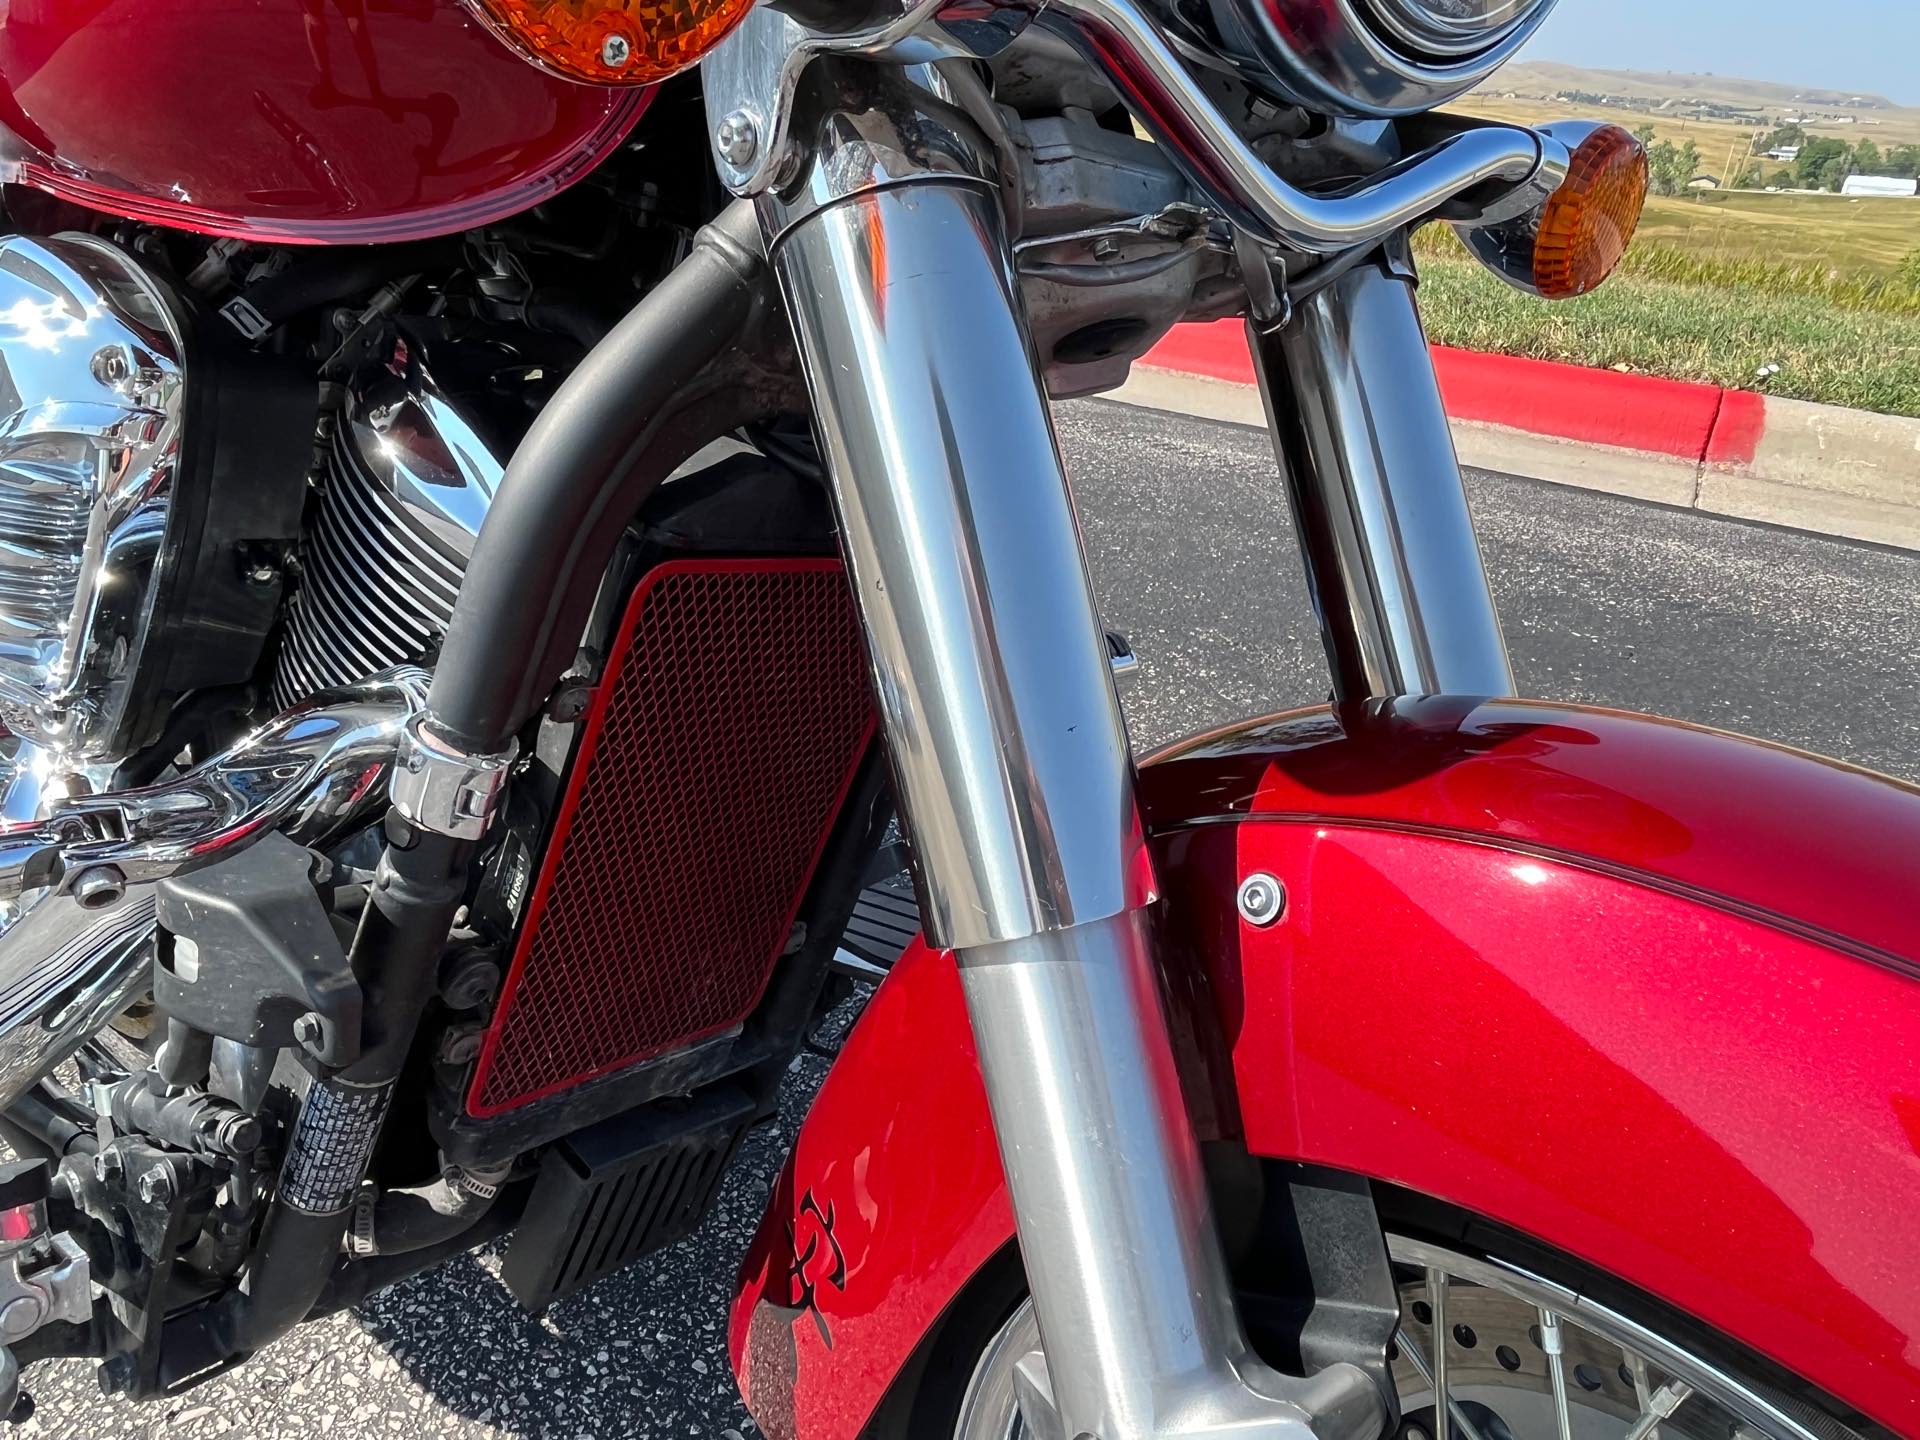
380	881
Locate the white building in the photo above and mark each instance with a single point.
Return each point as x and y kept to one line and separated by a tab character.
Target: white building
1879	185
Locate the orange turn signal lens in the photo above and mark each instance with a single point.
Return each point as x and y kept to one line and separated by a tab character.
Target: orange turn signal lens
1589	221
613	42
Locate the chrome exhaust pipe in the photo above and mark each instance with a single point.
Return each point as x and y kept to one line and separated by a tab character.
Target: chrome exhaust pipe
78	954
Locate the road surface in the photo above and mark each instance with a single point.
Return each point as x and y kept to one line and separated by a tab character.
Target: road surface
1797	638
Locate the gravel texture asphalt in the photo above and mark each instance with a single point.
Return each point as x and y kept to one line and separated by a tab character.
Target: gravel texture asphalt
1789	636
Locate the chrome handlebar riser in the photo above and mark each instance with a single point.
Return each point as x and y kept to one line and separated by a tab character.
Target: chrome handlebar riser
1123	39
753	80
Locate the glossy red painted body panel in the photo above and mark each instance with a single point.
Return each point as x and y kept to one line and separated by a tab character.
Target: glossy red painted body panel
1506	977
318	121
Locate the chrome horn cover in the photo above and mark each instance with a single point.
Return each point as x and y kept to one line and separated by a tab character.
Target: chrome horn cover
91	396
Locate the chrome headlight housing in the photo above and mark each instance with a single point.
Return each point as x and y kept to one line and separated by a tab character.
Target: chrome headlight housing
1380	58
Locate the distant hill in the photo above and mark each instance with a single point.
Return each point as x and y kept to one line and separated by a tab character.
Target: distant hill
1547	78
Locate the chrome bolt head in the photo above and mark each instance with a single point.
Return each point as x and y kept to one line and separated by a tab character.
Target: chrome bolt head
1263	899
616	51
98	887
310	1032
738	139
156	1186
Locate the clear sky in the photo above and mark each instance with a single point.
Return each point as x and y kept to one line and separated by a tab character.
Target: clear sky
1865	45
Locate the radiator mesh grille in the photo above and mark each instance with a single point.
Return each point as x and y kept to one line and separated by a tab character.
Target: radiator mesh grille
715	757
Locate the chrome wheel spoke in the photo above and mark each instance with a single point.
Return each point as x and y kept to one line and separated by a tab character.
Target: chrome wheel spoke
1659	1406
1442	1399
1468	1429
1551	1343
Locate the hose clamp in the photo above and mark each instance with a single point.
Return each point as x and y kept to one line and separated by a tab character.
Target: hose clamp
440	788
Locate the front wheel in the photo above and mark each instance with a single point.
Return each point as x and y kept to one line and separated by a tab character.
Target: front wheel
1523	1358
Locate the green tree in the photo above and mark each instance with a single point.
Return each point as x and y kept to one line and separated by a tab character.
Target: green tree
1748	177
1910	271
1820	161
1673	166
1779	139
1645	135
1783	178
1867	159
1903	162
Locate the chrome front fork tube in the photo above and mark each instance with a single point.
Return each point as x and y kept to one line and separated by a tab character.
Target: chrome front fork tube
1017	784
1370	467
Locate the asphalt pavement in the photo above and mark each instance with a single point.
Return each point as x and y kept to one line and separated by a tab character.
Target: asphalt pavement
1793	637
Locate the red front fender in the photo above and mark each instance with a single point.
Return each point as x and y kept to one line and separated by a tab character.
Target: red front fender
1645	992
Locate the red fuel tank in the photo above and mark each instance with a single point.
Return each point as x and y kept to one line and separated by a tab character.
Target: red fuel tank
294	121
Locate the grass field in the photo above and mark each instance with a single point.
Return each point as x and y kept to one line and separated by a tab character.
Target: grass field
1720	287
1866	359
1837	231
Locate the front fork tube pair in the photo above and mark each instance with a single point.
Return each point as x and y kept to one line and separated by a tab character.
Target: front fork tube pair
1017	785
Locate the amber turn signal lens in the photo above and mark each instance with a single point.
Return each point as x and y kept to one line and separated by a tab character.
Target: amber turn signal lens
1590	219
613	42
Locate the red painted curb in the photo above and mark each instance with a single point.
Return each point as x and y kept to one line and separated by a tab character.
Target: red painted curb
1542	397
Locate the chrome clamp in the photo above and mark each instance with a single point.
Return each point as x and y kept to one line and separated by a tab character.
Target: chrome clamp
441	788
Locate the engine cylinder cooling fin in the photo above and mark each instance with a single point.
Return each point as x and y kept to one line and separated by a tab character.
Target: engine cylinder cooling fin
714	758
407	486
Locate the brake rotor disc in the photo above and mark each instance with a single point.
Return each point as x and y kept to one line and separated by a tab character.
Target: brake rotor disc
1524	1359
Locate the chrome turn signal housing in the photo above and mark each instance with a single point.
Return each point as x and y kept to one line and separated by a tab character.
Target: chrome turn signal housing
1571	241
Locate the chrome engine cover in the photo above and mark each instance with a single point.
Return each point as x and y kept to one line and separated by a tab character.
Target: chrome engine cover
91	391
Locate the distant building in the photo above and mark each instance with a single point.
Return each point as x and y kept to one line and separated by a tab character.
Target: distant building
1877	185
1704	182
1788	153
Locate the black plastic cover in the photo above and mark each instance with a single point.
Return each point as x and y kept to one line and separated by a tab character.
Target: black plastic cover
611	1193
246	949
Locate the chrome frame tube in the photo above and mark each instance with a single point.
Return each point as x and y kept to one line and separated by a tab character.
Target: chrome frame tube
1016	779
1368	458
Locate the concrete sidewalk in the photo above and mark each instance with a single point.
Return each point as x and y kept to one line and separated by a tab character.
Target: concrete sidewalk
1726	452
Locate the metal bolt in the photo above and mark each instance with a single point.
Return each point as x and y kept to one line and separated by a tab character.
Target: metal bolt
262	573
309	1031
20	1316
156	1186
569	700
99	887
616	51
1263	899
237	1135
738	139
1106	249
107	1166
111	365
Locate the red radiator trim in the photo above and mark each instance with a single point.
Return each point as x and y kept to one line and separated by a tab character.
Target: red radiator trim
577	777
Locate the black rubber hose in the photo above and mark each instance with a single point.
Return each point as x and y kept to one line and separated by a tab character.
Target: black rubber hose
50	1124
353	1281
431	1214
396	954
341	276
580	474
